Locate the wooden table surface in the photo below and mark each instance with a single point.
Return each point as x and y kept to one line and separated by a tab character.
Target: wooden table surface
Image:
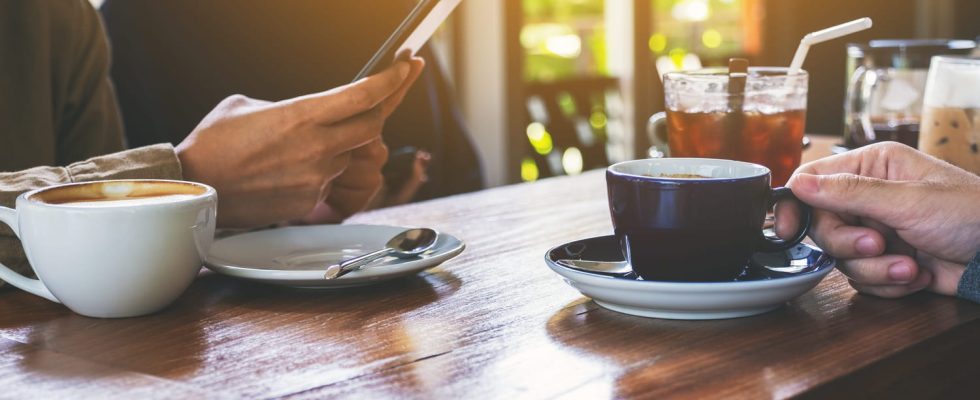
493	323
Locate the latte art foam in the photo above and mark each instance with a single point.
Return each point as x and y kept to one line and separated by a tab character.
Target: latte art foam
126	201
123	193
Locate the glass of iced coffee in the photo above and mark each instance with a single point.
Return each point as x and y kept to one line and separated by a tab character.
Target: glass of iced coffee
762	123
951	112
886	85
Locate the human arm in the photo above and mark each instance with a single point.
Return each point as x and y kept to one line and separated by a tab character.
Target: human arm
266	167
243	123
899	221
273	162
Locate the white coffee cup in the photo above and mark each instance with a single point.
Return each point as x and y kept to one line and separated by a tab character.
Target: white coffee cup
113	249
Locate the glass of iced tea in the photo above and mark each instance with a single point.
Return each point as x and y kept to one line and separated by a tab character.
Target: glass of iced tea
762	123
951	113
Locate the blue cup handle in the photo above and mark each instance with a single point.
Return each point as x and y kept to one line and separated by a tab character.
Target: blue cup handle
771	244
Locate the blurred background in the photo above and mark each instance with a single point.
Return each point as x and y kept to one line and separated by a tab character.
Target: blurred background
556	87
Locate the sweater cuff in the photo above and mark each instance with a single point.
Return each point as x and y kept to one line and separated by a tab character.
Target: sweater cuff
969	286
151	162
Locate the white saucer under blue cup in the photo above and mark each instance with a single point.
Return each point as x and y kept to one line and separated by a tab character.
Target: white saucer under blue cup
768	282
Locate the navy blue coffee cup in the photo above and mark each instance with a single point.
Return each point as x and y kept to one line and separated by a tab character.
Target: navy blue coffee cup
694	219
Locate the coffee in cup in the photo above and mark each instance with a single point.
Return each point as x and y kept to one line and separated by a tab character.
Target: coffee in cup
113	249
691	219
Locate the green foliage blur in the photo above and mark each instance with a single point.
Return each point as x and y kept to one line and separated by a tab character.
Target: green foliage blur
717	36
563	39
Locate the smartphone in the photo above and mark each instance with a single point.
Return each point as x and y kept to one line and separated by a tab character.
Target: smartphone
411	35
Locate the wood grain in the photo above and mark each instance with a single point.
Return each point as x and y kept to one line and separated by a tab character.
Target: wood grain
492	323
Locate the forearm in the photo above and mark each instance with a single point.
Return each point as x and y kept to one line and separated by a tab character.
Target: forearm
151	162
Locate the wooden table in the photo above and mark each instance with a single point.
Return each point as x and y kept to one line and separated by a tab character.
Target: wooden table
492	323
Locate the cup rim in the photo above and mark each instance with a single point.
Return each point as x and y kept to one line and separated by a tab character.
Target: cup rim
612	169
893	44
721	73
26	198
959	60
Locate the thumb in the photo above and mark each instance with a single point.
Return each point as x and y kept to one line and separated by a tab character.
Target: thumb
882	200
347	101
946	274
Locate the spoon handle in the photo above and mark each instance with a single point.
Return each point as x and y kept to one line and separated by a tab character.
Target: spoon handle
337	270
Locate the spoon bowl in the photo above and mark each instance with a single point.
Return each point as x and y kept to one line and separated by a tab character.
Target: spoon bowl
412	242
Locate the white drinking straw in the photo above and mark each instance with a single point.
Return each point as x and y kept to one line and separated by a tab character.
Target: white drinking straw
823	36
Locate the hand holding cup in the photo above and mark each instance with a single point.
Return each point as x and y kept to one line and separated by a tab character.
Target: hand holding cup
899	221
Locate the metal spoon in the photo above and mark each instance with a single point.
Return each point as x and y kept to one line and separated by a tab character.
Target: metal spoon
408	244
615	268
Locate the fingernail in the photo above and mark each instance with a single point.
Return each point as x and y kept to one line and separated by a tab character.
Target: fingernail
806	183
867	246
900	272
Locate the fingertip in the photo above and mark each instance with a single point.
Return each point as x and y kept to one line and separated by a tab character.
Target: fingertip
901	272
403	69
423	155
869	246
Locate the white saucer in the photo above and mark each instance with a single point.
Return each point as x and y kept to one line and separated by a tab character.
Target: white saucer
298	256
762	288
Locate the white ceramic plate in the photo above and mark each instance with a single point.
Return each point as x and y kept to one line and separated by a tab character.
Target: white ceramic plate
762	288
298	256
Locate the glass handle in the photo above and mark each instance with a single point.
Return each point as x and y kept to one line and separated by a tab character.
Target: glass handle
659	146
868	87
863	83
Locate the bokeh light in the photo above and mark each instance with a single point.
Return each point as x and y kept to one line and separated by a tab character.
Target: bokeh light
565	46
711	39
529	170
567	104
677	56
540	138
658	42
598	119
571	161
691	10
